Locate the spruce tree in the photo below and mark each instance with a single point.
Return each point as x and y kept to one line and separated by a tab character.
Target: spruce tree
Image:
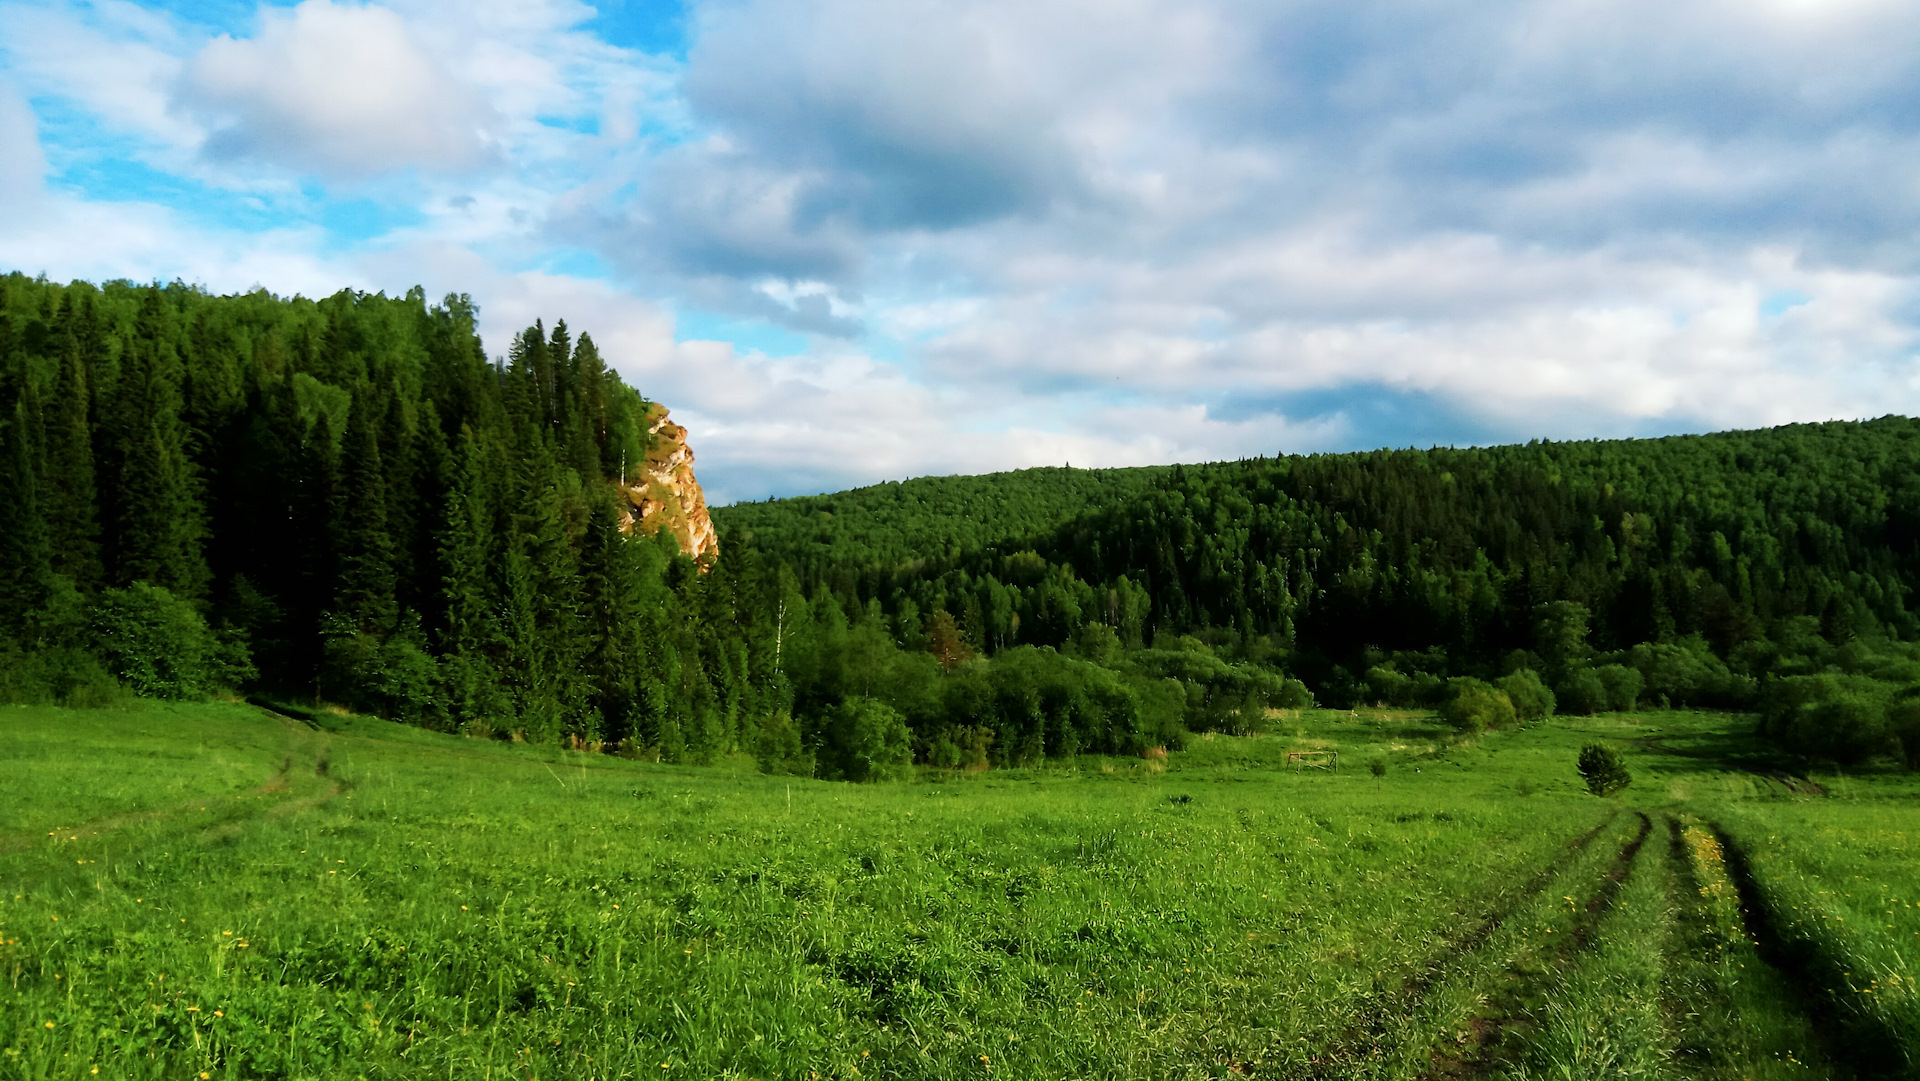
313	548
525	662
610	621
26	555
161	520
365	593
69	488
552	570
471	635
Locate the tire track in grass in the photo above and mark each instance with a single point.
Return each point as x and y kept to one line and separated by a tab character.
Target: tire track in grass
1855	1043
226	811
1488	1036
1602	901
1692	921
1377	1012
1729	1013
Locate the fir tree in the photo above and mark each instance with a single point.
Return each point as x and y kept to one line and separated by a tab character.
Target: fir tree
69	485
365	594
471	636
26	555
160	517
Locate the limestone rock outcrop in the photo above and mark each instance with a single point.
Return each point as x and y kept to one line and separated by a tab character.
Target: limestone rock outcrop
662	493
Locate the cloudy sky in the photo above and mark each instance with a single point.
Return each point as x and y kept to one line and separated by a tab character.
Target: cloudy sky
848	240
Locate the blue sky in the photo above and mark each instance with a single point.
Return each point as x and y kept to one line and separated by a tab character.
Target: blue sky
850	240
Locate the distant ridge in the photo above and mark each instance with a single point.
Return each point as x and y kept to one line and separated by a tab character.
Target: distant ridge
901	521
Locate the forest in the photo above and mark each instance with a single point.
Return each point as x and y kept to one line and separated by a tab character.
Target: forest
348	501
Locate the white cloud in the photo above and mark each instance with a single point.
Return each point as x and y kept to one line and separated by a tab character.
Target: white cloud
23	165
336	89
117	64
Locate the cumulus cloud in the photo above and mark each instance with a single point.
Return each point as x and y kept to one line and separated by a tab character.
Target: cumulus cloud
115	61
22	163
335	89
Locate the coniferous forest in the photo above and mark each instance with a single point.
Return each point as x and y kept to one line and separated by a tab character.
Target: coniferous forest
347	501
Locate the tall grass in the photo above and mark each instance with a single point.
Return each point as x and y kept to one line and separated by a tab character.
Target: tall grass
460	907
240	897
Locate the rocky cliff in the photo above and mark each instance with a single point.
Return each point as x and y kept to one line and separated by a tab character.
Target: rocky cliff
662	494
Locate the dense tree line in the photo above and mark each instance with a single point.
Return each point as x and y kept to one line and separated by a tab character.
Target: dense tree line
1684	570
347	500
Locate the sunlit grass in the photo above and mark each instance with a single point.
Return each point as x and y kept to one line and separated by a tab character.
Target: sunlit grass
428	905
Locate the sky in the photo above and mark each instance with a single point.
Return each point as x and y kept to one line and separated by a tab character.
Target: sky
855	240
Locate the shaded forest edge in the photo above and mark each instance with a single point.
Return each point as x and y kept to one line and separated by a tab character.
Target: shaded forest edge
345	500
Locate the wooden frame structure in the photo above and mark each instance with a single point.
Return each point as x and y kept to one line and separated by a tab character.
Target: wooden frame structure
1327	760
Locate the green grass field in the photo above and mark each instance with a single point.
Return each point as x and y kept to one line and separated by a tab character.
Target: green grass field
216	891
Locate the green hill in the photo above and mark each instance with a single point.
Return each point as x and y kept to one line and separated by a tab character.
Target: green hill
900	522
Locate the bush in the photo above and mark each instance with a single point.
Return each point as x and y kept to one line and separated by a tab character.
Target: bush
778	748
1581	692
863	739
1531	699
1622	686
158	645
1687	673
1904	721
1603	769
1224	697
58	675
1603	687
1476	706
1291	694
961	747
396	679
1848	728
1845	718
1389	686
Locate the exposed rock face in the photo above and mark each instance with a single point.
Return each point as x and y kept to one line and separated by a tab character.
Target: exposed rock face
662	494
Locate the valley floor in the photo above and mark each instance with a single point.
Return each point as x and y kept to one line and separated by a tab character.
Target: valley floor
216	891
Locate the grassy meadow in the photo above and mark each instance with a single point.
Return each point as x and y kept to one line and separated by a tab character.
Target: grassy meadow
217	891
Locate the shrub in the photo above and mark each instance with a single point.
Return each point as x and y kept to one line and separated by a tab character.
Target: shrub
158	645
1904	721
1848	728
1580	692
1686	672
1622	686
863	739
778	748
1846	718
961	747
60	674
1476	706
1602	687
397	679
1387	685
1291	694
1531	699
1603	769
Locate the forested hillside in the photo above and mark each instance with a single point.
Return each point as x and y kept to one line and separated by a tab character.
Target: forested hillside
1688	568
907	521
342	499
346	501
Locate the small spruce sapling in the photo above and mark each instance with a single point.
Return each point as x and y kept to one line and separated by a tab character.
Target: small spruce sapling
1377	767
1603	769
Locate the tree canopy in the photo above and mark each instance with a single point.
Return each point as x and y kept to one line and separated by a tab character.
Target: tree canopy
347	499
